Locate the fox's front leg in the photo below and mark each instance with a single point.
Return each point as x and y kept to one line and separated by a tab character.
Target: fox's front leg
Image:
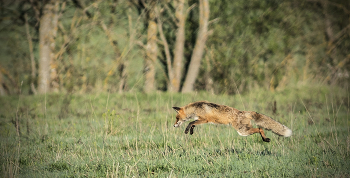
191	130
192	124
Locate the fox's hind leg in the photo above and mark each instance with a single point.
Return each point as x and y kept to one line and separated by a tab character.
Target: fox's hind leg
262	133
249	131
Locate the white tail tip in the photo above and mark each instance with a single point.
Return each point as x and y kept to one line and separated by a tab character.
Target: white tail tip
288	133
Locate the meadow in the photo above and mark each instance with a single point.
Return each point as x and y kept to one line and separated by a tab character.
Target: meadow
132	135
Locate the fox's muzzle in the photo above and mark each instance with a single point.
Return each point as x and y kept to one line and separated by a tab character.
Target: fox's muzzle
177	124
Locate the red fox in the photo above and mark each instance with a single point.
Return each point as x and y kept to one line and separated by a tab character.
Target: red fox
206	112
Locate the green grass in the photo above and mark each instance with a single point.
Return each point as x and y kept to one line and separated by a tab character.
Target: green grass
112	135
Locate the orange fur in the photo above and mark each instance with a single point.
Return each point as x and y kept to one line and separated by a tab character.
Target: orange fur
206	112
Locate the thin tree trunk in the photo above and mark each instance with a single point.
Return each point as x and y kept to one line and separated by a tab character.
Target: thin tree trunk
53	63
151	52
32	61
167	55
124	64
179	48
118	60
328	23
45	50
198	50
208	79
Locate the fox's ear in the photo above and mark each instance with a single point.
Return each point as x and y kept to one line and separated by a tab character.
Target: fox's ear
177	109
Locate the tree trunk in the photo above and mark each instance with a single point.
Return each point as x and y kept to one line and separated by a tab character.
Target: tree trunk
179	48
53	63
119	64
199	47
32	61
328	23
167	55
124	64
208	79
151	52
45	51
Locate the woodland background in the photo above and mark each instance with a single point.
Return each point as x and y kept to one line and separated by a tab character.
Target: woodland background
224	47
90	87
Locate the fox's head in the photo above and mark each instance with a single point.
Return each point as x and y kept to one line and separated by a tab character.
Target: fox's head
180	116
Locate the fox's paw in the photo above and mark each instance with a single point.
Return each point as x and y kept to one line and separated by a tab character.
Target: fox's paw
191	130
266	140
187	129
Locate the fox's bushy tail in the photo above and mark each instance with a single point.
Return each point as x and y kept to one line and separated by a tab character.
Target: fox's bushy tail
269	124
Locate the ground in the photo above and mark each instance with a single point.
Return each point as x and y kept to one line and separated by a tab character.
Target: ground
132	134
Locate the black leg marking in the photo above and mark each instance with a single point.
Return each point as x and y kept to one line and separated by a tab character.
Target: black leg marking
191	130
266	140
188	128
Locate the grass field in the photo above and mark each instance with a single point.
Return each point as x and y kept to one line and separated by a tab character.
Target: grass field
132	135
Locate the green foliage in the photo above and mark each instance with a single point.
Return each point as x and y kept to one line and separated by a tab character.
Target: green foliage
126	135
269	44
